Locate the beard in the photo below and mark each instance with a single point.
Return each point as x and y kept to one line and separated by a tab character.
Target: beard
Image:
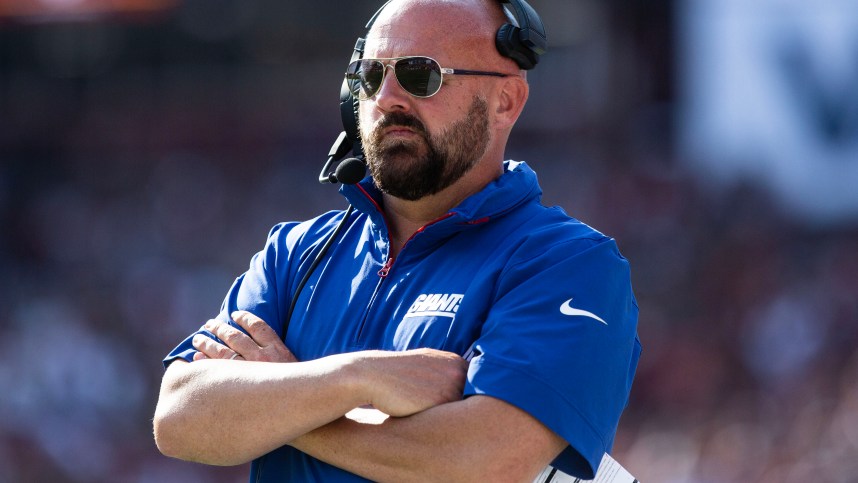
413	168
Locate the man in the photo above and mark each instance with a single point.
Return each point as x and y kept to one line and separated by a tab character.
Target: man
449	254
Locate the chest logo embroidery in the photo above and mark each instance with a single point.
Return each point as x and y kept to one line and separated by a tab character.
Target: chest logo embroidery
435	305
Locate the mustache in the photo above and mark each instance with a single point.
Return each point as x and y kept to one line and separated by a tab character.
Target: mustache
398	118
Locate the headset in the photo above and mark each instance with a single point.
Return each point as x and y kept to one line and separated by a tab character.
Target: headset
523	40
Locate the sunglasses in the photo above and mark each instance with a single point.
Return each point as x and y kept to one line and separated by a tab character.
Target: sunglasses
419	76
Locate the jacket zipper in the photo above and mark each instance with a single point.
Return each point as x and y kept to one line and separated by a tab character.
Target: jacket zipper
388	265
369	306
385	271
386	268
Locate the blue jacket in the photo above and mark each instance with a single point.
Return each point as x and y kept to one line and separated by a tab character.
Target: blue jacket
543	301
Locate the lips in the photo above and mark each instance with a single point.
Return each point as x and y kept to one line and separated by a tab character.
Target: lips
399	121
398	131
397	128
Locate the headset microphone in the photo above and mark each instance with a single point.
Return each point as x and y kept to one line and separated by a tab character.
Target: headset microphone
350	171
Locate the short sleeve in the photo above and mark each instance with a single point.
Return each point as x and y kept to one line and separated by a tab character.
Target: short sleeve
560	342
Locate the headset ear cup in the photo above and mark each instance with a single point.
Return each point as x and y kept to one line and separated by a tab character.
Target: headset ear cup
502	39
349	104
357	148
348	111
508	43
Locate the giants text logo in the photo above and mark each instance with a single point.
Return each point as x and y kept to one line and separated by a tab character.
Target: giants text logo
435	304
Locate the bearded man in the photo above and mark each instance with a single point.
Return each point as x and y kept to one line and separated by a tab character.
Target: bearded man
498	334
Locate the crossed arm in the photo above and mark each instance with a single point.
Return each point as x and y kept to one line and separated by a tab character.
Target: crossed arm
226	411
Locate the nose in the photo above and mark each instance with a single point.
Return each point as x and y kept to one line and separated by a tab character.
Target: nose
391	96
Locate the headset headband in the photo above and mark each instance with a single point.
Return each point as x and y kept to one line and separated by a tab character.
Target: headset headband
523	40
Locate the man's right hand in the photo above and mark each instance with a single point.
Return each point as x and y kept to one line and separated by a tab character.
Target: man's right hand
408	382
263	344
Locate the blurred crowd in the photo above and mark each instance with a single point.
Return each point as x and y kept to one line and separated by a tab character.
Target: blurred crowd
136	184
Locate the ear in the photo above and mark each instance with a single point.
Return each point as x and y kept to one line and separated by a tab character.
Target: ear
511	98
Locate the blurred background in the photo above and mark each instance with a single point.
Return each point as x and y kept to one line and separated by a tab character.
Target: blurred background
147	146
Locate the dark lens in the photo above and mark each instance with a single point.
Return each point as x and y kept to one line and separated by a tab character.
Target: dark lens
365	77
420	76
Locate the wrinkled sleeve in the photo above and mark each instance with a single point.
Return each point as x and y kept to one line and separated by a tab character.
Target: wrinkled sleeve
560	342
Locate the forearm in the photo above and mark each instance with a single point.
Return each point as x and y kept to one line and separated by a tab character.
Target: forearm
479	438
230	412
222	411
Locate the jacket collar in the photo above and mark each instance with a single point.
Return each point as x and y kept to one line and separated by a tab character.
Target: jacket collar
516	186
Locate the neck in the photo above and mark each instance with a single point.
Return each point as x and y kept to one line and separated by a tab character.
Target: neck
405	217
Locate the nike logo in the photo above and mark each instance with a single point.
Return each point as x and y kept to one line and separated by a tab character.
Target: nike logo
567	309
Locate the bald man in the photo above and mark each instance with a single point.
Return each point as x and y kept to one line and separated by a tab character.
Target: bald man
499	335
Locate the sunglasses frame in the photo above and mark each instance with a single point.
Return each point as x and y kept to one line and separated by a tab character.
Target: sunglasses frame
356	82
